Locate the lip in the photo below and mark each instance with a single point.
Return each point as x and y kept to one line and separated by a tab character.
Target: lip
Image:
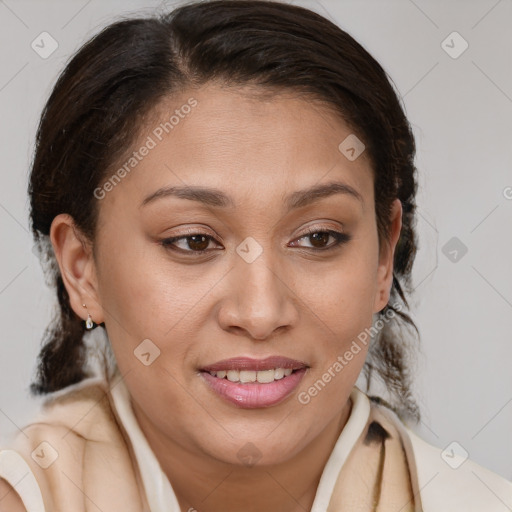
254	395
247	363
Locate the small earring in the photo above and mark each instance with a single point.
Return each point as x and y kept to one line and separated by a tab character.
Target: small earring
89	324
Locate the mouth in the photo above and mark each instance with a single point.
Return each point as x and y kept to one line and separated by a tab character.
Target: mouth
247	376
252	383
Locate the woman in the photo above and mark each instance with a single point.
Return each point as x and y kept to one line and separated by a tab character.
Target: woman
227	194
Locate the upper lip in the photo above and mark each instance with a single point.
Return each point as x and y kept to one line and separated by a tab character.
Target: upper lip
246	363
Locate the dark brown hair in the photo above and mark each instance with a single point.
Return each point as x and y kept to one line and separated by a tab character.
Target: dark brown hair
121	74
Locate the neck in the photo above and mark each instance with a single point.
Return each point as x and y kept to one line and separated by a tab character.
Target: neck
202	483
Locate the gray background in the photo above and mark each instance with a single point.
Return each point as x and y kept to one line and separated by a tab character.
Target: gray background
461	112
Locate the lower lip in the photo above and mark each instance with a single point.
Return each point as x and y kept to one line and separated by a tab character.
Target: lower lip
254	395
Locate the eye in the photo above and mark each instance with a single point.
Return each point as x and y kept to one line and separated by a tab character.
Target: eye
197	243
319	238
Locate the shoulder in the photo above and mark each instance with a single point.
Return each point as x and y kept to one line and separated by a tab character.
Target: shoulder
444	480
451	482
19	491
9	498
74	445
71	422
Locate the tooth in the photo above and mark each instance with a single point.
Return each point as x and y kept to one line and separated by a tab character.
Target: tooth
233	375
265	376
278	373
247	376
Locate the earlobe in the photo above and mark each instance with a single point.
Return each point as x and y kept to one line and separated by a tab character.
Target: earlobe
386	257
76	263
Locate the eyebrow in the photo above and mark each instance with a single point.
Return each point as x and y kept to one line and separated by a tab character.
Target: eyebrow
216	198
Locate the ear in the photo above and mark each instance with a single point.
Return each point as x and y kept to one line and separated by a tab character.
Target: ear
77	267
386	256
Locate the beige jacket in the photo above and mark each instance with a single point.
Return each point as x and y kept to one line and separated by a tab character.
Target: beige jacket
78	456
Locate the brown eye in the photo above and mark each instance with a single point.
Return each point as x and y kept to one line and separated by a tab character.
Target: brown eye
319	239
196	243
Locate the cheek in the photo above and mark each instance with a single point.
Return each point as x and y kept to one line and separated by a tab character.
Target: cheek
340	299
146	295
141	298
137	284
343	290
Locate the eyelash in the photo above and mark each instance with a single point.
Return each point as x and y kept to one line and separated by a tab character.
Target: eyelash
340	239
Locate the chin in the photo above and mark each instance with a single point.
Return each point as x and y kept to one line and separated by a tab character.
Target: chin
254	451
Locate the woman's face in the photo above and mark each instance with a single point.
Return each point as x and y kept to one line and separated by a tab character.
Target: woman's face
252	283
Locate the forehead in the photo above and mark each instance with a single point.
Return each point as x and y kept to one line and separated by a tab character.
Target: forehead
242	142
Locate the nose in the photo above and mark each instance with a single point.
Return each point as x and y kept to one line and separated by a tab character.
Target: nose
259	299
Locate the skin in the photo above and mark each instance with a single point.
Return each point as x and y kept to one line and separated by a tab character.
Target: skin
9	499
290	301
